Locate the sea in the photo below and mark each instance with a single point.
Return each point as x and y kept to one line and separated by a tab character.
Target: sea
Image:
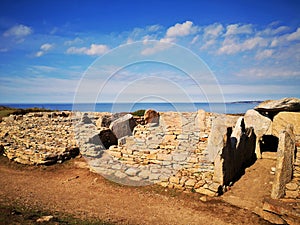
228	108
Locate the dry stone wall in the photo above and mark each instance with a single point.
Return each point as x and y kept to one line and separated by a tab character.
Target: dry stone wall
172	153
38	138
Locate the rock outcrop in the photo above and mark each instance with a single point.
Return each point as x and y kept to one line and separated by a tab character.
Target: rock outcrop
151	116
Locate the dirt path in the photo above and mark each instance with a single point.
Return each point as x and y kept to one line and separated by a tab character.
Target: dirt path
68	189
253	187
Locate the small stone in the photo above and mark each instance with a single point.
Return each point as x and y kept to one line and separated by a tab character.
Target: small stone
291	194
205	191
203	198
144	174
132	171
44	219
199	184
292	186
174	180
190	182
179	157
183	137
154	176
120	174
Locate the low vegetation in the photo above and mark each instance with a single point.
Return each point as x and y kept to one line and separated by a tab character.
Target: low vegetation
140	112
6	111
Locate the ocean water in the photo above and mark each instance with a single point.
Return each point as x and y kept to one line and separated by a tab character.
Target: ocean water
228	108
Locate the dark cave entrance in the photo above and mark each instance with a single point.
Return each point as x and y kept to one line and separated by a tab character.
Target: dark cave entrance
269	143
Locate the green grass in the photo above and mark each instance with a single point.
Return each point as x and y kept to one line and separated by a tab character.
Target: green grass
140	112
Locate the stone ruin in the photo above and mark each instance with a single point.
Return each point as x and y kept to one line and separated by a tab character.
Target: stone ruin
198	151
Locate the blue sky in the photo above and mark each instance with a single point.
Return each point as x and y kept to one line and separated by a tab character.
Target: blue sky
252	49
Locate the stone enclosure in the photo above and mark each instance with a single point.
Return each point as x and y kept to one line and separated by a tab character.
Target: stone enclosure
196	151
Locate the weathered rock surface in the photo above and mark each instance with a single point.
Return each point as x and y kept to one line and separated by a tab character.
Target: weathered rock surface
283	119
216	139
238	152
108	138
285	161
104	120
151	116
262	126
123	126
285	104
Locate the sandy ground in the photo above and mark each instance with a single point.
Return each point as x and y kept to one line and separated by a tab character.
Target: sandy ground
75	191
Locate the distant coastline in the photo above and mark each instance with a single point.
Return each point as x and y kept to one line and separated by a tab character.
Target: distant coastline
228	108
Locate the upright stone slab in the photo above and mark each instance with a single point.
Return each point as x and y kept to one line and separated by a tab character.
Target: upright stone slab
201	120
123	126
216	138
261	125
237	131
285	161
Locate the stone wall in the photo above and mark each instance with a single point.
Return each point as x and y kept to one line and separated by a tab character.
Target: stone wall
172	153
38	138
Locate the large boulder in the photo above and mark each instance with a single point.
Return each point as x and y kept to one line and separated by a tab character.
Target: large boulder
285	104
151	116
123	126
262	126
283	119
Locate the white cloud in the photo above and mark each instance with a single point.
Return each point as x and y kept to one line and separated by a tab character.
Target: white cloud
269	72
180	30
77	40
46	47
43	49
230	46
39	53
235	29
94	49
18	31
154	28
294	36
195	39
213	30
208	44
162	45
267	53
273	31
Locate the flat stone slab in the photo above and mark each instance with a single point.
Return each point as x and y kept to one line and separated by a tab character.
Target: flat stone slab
285	104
